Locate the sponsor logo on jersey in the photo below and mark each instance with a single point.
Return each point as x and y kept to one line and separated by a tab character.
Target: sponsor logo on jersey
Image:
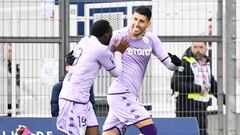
138	51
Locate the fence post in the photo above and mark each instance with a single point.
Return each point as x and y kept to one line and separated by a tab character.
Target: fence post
231	73
63	33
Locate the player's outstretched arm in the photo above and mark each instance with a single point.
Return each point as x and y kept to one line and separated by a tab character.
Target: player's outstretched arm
171	62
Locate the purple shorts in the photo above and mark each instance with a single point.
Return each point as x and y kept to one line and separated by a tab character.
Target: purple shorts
74	117
124	110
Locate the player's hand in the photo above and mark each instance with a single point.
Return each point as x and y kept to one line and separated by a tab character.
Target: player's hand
121	46
175	60
70	58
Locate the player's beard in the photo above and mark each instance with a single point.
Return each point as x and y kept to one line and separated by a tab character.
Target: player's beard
199	55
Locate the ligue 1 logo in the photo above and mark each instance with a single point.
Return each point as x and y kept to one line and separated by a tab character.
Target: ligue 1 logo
23	130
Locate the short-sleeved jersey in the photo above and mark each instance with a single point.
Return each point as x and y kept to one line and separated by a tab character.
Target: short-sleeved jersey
90	56
135	60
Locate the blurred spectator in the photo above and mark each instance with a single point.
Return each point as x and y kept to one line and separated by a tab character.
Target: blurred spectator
194	82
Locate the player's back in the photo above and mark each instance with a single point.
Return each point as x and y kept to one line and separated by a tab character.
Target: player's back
84	70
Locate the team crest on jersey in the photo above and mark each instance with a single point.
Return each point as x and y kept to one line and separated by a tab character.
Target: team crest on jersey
145	40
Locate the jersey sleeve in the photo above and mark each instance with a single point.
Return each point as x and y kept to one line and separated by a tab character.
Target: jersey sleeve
158	49
111	62
161	53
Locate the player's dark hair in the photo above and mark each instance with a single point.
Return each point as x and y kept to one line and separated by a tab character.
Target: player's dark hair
144	10
99	28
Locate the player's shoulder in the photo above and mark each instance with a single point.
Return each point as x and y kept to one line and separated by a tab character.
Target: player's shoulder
102	47
83	40
153	38
102	51
98	46
150	35
82	43
121	32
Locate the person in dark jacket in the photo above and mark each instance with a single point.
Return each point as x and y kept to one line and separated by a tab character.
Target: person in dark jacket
58	86
193	81
54	98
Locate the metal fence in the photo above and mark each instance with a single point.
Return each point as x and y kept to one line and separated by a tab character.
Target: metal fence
42	32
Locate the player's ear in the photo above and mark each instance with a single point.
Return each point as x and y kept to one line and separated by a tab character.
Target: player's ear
106	35
149	23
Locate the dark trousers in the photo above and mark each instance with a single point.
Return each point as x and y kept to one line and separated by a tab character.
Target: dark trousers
190	108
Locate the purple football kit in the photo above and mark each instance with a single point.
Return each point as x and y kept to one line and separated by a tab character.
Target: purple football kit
123	94
75	110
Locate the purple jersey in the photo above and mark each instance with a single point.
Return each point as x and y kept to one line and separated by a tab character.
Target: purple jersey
135	60
90	56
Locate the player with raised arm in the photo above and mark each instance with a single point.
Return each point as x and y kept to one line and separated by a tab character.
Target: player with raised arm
123	94
76	115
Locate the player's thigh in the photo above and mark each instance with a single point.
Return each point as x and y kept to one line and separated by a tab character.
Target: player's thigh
72	117
127	109
93	131
92	119
112	125
111	132
143	123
